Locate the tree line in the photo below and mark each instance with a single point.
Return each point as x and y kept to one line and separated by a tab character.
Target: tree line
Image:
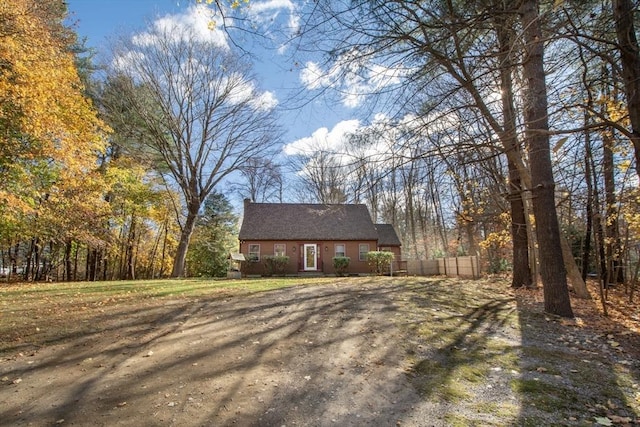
113	173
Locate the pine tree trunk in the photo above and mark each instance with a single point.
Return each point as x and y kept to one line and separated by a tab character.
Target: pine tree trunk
552	270
520	257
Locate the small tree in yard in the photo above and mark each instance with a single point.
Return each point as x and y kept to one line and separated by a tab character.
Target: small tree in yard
341	265
275	264
379	261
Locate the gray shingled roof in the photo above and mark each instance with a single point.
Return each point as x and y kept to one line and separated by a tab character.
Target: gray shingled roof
387	235
300	221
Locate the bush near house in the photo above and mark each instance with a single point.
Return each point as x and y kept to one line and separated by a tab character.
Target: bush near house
379	261
341	265
275	264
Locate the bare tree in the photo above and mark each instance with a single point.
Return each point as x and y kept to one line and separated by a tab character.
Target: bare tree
437	47
199	110
262	181
322	177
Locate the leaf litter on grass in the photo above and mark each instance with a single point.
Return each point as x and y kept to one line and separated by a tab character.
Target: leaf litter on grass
498	359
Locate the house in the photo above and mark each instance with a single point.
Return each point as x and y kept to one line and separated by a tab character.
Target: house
311	235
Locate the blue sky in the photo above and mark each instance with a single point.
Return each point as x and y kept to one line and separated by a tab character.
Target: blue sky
318	123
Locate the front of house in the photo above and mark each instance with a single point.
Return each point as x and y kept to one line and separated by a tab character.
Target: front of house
311	235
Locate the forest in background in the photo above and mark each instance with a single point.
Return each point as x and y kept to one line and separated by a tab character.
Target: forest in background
115	174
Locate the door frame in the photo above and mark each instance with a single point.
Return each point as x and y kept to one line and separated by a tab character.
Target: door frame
305	256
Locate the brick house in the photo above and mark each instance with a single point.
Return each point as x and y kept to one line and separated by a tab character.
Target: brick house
311	235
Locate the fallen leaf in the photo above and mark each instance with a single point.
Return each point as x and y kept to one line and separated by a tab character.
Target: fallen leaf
603	421
619	419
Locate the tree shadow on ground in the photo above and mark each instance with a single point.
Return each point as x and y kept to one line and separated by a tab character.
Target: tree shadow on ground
576	371
467	348
375	351
304	355
492	357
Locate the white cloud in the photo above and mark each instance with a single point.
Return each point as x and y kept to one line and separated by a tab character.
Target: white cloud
323	139
313	77
197	22
242	91
258	8
126	62
265	102
353	79
268	12
278	20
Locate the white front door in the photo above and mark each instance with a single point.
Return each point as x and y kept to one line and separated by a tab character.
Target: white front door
310	262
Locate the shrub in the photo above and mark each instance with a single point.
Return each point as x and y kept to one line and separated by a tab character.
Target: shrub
275	264
379	261
341	265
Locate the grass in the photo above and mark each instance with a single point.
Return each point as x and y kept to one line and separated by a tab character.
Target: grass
34	314
500	360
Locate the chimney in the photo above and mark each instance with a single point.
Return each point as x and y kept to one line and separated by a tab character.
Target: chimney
246	203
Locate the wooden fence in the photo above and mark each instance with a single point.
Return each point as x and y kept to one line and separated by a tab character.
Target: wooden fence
464	266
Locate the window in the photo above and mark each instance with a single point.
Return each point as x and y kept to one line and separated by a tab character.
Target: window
254	253
340	249
279	249
363	250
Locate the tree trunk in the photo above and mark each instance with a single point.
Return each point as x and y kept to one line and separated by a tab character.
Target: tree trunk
185	237
579	287
130	273
623	11
67	261
36	261
612	235
552	271
520	258
29	268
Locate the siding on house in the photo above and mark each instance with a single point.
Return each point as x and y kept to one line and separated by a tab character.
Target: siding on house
295	252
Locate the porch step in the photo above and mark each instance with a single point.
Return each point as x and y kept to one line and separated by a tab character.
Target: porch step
311	274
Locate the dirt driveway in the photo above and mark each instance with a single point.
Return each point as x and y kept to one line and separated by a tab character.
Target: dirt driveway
349	352
318	355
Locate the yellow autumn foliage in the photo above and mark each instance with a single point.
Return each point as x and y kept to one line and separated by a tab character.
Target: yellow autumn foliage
50	132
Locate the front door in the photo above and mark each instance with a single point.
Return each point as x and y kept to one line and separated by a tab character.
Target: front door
310	260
